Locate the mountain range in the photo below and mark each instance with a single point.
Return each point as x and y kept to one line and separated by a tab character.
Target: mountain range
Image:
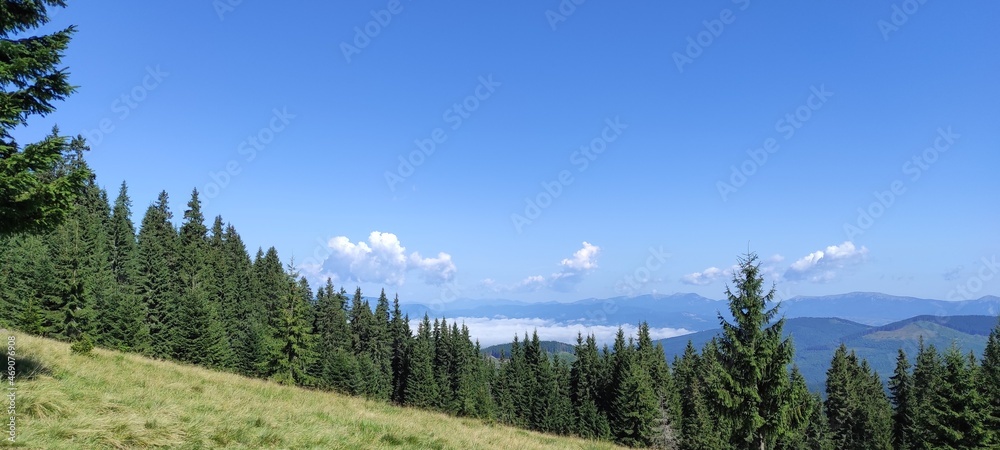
696	313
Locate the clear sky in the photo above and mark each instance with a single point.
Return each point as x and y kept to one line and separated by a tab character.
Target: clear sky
553	149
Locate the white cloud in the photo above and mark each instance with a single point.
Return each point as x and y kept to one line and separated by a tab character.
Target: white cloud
822	265
382	260
584	258
573	270
703	278
492	331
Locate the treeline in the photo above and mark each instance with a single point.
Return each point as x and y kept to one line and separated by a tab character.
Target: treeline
194	294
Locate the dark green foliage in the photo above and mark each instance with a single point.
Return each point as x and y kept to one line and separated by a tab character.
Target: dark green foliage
82	346
37	190
158	283
989	386
901	394
754	357
421	385
586	385
124	321
859	413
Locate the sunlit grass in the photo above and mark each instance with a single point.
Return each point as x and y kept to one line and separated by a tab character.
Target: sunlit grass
115	400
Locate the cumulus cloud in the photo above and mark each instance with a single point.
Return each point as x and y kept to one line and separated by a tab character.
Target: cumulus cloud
703	278
382	259
822	265
572	271
492	331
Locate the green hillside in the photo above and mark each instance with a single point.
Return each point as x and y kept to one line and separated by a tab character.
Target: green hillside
555	349
115	400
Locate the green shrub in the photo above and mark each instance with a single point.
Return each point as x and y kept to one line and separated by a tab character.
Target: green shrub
82	346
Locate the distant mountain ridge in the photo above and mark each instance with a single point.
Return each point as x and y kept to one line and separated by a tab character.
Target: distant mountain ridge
815	340
697	313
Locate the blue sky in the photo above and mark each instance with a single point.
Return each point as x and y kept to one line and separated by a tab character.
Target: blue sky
293	123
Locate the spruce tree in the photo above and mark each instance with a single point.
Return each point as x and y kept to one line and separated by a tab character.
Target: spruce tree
399	330
859	413
585	388
125	320
989	385
754	358
35	195
421	385
158	283
901	393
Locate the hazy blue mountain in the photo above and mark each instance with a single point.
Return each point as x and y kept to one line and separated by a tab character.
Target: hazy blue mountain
560	349
697	313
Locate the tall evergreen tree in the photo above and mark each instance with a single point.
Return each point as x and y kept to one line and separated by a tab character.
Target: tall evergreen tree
198	334
859	413
421	385
158	283
125	321
755	357
989	385
901	394
585	388
399	330
35	195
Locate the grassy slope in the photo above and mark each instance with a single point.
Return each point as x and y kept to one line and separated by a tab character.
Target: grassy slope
115	400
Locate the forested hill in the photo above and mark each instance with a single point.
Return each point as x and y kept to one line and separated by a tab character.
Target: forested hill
816	340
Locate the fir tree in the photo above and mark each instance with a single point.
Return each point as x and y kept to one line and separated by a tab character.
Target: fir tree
901	393
989	385
754	358
125	319
157	278
421	385
36	194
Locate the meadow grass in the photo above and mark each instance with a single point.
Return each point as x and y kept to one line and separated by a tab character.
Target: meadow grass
115	400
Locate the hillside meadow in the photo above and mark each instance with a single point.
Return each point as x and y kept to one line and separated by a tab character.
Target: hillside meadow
112	400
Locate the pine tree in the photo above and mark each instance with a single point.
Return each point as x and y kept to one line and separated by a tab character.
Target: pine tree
198	334
928	379
421	385
754	356
271	289
399	330
158	283
958	407
35	195
859	413
635	406
295	333
79	251
901	392
585	387
989	385
26	282
243	314
125	319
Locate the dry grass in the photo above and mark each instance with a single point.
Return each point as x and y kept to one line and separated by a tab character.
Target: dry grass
116	400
